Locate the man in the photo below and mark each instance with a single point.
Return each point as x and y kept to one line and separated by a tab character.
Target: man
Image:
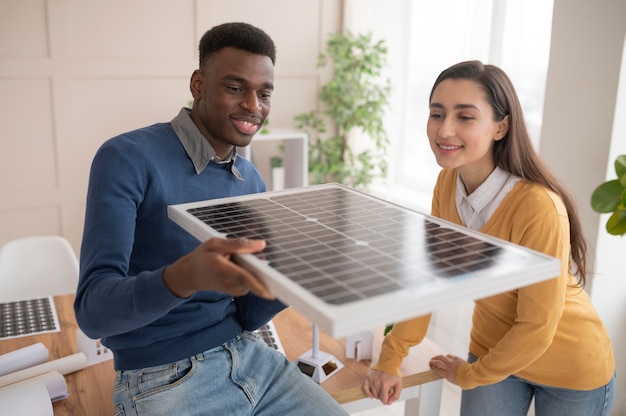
177	314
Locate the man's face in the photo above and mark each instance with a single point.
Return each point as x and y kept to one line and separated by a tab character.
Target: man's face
232	97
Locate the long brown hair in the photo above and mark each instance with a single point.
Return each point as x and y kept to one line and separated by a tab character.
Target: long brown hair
515	152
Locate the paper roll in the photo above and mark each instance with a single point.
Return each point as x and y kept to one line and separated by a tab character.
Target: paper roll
29	399
23	358
63	365
54	382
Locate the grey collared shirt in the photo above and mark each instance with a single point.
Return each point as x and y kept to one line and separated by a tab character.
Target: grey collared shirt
476	209
197	146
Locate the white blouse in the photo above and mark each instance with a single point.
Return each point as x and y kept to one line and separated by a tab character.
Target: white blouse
476	209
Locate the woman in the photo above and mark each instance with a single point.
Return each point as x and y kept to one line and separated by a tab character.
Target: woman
543	341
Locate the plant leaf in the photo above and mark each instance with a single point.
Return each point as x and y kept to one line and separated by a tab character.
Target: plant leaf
616	224
607	197
356	97
620	169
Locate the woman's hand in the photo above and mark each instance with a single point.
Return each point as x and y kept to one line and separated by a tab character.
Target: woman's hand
382	386
446	366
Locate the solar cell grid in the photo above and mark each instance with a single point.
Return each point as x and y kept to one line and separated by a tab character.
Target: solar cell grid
343	241
28	317
342	247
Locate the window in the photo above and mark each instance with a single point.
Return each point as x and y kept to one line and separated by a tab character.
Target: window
426	37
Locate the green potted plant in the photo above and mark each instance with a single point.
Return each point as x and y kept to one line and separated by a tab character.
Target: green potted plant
355	99
610	197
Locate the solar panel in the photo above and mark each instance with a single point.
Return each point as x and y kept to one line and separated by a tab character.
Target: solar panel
350	261
26	317
269	334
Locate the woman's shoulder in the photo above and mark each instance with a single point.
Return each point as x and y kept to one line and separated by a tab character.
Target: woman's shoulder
532	196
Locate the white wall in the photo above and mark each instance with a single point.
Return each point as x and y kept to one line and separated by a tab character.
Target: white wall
582	133
609	287
73	73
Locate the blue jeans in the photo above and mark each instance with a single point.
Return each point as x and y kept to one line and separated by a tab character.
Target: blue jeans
513	395
241	377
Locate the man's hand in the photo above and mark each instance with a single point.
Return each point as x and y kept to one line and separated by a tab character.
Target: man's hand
210	267
383	386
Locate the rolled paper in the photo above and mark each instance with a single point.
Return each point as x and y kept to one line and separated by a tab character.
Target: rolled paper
23	358
54	381
29	399
63	365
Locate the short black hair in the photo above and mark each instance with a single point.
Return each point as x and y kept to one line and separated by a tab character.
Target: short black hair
237	35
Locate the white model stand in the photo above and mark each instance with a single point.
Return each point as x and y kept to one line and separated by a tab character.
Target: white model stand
318	365
93	349
278	178
359	346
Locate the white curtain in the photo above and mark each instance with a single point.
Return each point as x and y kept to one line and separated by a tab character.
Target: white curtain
423	38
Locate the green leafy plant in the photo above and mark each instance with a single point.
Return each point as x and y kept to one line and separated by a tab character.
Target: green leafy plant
266	126
276	162
610	197
355	99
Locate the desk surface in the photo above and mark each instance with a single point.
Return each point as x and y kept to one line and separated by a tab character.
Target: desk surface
91	389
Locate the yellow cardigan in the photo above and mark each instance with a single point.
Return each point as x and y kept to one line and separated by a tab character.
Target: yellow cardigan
547	333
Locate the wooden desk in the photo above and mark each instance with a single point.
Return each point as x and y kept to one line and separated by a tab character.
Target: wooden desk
345	385
91	389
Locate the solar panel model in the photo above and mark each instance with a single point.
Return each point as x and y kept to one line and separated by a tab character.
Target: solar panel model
27	317
269	334
349	261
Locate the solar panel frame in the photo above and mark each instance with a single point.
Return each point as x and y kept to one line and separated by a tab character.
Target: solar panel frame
339	241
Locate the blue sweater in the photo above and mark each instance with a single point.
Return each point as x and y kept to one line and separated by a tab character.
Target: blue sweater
128	241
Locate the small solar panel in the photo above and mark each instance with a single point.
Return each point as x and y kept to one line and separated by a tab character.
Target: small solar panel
269	334
26	317
350	261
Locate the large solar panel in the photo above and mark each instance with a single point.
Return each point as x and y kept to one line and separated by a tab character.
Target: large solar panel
350	261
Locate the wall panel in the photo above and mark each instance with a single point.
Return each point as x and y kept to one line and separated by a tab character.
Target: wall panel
103	109
18	18
89	70
292	24
131	30
27	148
32	221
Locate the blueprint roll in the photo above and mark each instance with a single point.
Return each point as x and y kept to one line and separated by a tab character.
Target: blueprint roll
53	381
29	399
23	358
64	365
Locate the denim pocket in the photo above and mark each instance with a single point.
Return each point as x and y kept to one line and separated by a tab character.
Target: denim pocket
121	395
251	335
119	410
158	378
152	390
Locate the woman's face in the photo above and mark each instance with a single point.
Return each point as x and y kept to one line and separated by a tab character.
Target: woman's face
461	130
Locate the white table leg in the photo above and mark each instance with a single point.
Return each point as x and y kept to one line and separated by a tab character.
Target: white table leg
427	403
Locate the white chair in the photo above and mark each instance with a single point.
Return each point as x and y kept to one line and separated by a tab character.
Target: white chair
35	267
